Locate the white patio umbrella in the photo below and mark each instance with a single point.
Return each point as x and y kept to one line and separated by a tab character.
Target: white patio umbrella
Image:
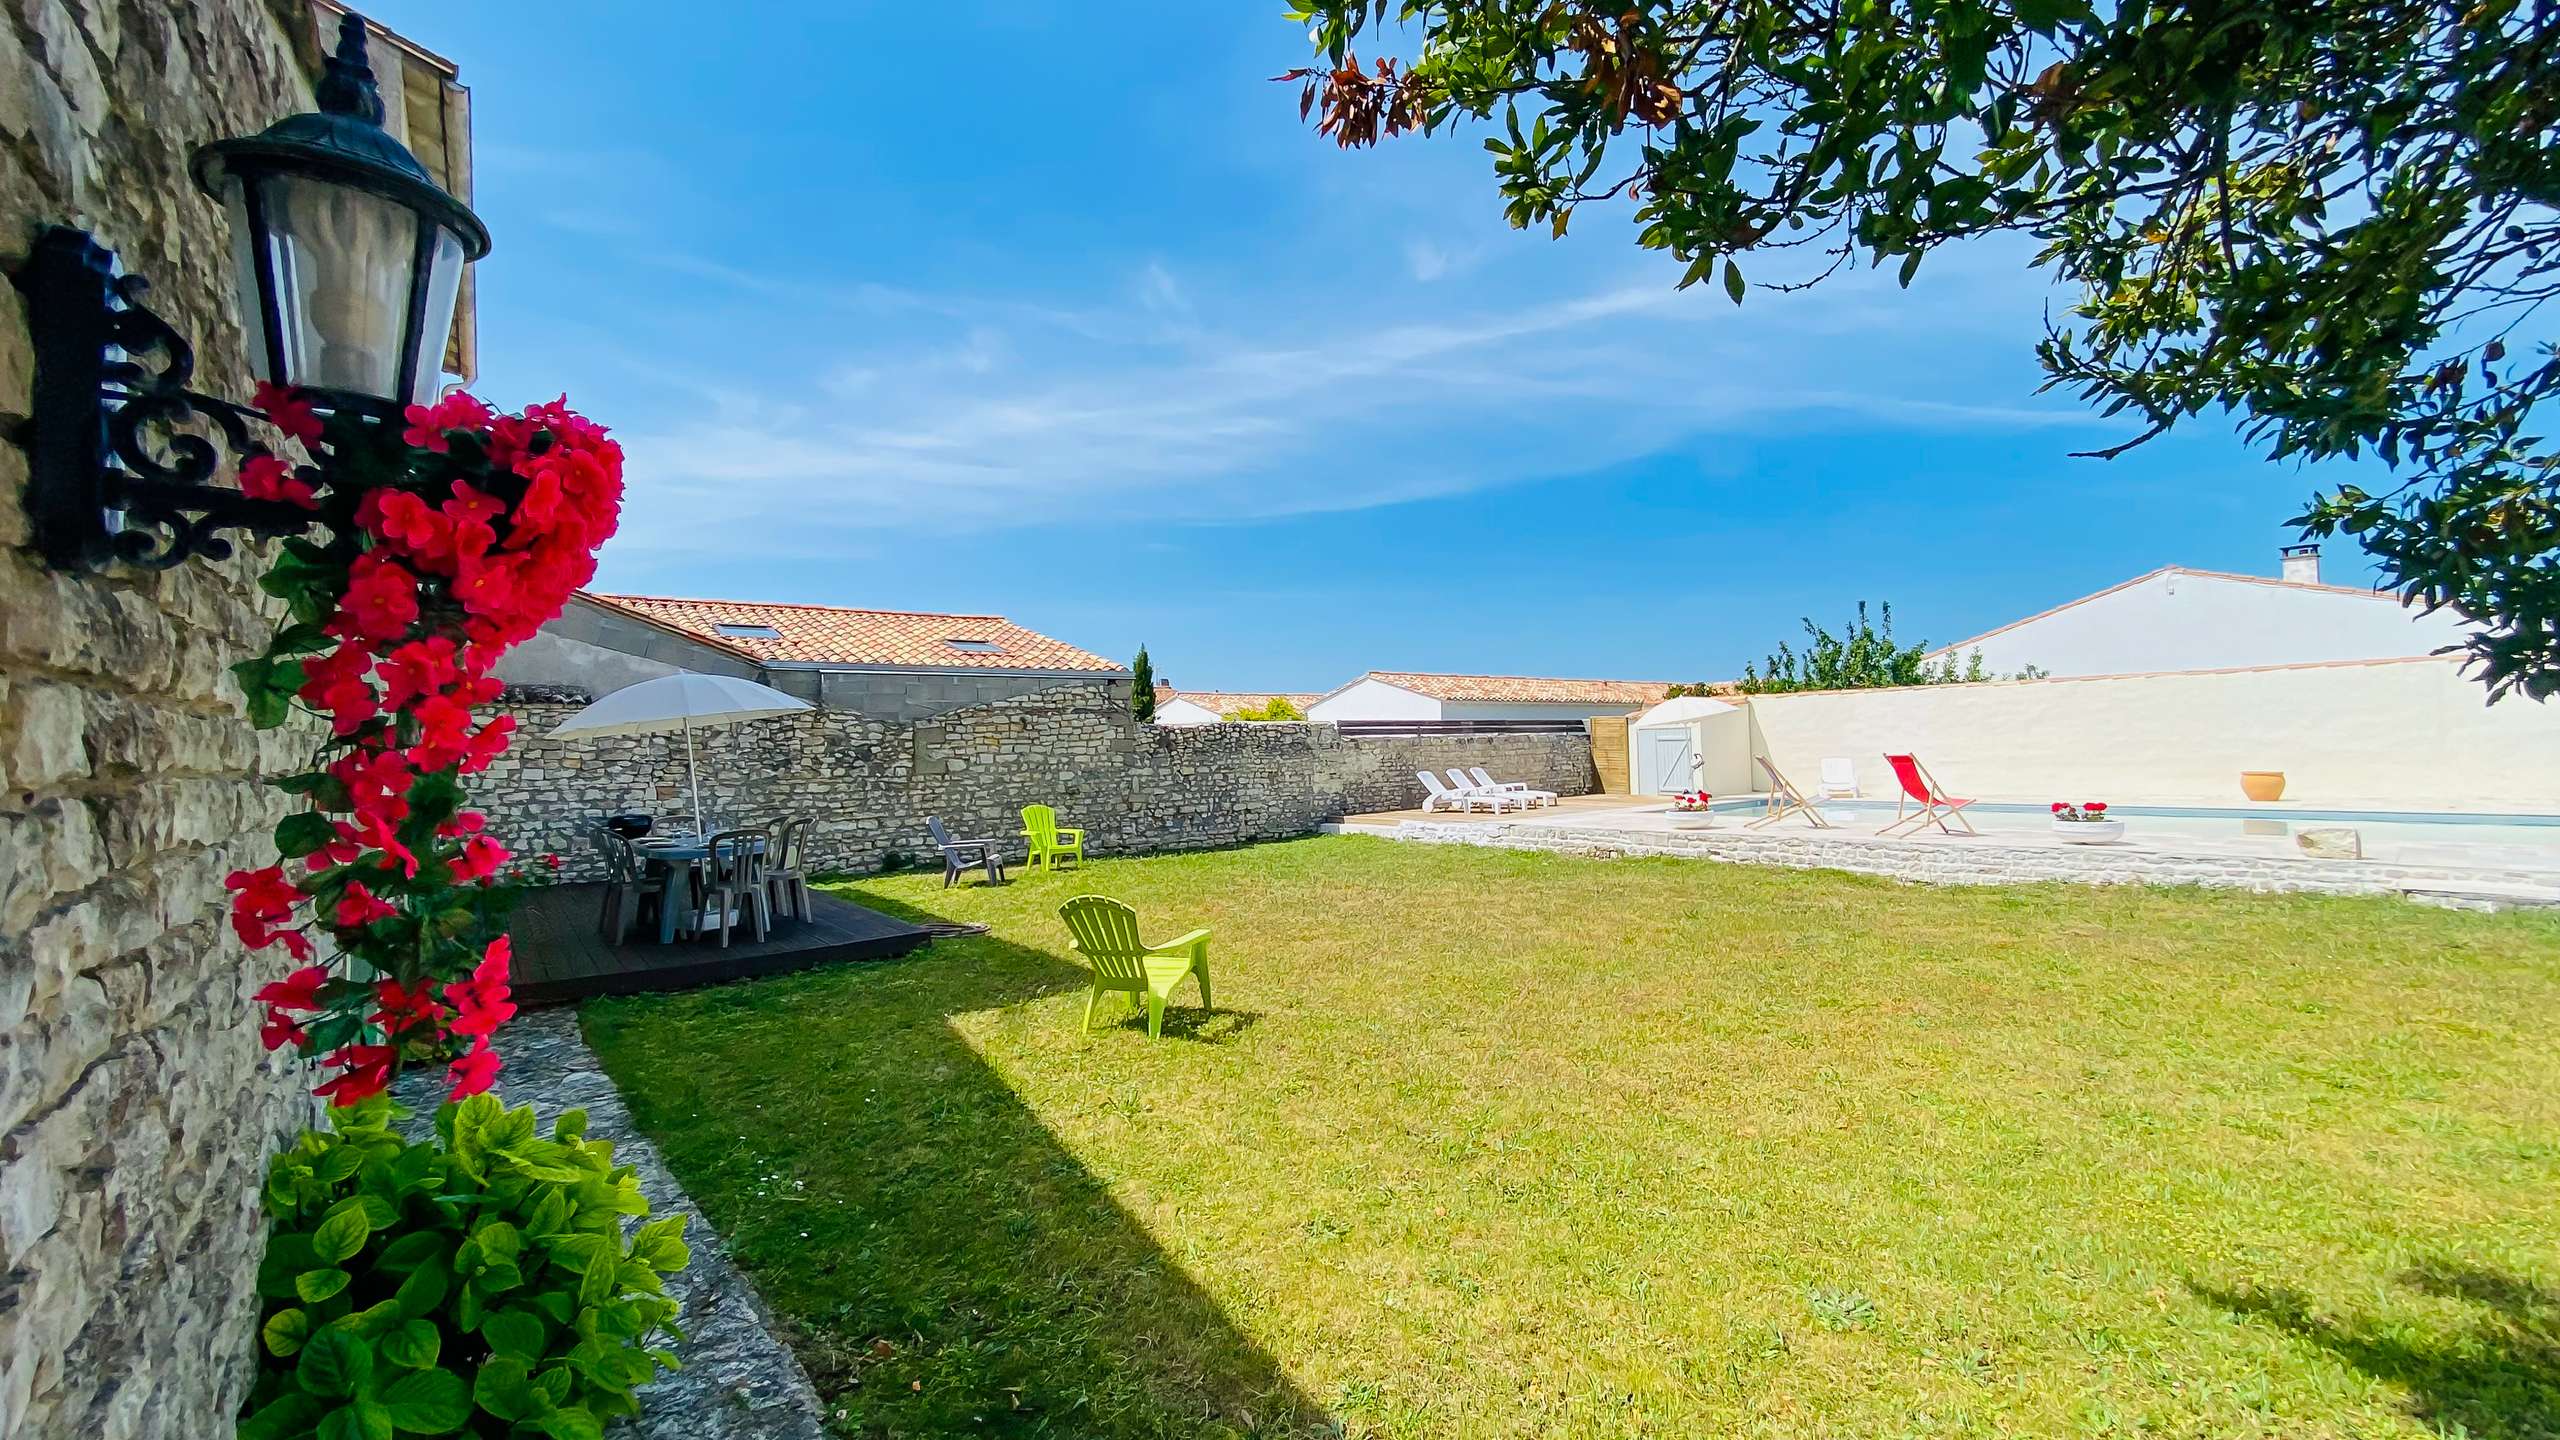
679	702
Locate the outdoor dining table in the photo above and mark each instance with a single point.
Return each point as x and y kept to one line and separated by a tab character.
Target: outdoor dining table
681	856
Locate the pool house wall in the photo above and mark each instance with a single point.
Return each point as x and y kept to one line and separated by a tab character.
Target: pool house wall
2402	734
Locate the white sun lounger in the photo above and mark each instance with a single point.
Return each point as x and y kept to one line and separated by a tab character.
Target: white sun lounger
1438	796
1839	779
1512	787
1487	790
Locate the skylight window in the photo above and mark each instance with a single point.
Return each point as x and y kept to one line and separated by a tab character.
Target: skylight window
976	647
747	632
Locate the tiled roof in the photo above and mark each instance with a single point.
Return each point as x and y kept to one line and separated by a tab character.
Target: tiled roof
1228	702
1521	689
835	635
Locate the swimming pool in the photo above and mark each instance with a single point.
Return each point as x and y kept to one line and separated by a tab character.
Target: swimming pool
2410	837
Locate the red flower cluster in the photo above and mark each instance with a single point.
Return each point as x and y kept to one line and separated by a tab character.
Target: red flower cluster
469	537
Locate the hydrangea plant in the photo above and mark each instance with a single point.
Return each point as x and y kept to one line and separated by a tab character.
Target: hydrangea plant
480	1283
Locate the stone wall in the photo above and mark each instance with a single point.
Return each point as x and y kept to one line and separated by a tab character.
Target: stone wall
136	1109
869	784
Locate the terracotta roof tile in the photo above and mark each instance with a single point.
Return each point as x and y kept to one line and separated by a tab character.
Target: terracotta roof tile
836	635
1521	689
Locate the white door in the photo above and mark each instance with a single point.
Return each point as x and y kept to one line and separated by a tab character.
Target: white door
1663	761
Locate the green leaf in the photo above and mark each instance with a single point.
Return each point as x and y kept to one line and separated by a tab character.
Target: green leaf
1733	281
335	1362
430	1402
315	1286
499	1240
553	1385
418	1247
343	1233
573	1423
289	1416
424	1290
598	1285
414	1346
505	1389
285	1331
514	1332
356	1420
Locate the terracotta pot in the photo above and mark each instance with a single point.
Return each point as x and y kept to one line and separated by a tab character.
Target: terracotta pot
2262	784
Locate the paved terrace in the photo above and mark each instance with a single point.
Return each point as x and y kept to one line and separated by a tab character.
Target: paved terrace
2011	848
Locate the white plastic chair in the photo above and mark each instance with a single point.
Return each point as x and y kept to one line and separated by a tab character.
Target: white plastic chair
1485	779
1839	779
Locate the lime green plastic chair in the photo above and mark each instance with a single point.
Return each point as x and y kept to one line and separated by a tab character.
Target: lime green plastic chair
1051	842
1106	933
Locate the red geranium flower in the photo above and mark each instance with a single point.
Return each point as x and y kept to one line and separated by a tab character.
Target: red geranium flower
363	1071
265	477
288	411
475	1071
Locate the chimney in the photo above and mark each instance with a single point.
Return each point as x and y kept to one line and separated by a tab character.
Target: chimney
2301	565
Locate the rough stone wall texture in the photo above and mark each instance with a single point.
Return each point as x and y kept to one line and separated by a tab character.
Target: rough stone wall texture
135	1107
868	784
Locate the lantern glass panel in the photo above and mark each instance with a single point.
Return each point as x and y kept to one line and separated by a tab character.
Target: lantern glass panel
342	258
444	287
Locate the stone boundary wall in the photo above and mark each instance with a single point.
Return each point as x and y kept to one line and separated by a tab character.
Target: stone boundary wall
136	1108
2008	864
869	784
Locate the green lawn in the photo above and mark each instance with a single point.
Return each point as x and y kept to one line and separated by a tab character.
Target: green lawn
1497	1144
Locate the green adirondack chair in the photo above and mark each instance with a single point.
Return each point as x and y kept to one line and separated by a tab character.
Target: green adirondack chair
1051	842
1106	934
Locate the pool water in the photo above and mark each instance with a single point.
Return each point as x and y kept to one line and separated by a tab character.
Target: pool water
2405	837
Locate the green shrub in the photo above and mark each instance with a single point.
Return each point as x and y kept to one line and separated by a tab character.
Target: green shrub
478	1283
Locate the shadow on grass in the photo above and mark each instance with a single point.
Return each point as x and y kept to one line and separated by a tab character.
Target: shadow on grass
947	1266
2495	1378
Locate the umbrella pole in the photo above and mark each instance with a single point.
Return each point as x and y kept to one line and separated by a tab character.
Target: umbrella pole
693	776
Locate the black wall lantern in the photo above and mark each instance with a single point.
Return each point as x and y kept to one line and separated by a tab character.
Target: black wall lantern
348	258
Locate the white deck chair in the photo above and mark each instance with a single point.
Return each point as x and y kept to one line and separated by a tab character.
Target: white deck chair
1437	796
1486	790
1839	779
1511	787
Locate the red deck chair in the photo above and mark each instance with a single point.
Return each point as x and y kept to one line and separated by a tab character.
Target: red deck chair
1937	807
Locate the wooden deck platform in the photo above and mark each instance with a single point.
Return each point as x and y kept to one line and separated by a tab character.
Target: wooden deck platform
560	956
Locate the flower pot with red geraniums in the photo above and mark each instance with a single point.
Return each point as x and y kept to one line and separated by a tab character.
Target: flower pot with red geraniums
1690	810
2085	822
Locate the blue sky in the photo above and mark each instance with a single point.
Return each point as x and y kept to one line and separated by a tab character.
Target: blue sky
998	308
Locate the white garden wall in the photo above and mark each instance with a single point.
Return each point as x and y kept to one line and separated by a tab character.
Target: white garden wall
2411	734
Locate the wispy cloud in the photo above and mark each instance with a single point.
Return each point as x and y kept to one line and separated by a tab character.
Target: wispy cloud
955	422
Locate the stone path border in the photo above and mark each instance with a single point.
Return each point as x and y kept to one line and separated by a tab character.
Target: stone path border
1994	864
739	1381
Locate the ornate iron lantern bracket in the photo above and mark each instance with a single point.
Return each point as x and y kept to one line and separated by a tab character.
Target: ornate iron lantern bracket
112	475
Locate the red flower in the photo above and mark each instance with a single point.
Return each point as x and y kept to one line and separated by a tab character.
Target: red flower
280	1031
359	907
2059	807
264	477
297	991
381	602
475	1071
481	1003
262	901
403	1009
481	858
288	411
2094	807
552	861
363	1070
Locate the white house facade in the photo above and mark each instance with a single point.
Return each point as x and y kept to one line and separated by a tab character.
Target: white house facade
2175	619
